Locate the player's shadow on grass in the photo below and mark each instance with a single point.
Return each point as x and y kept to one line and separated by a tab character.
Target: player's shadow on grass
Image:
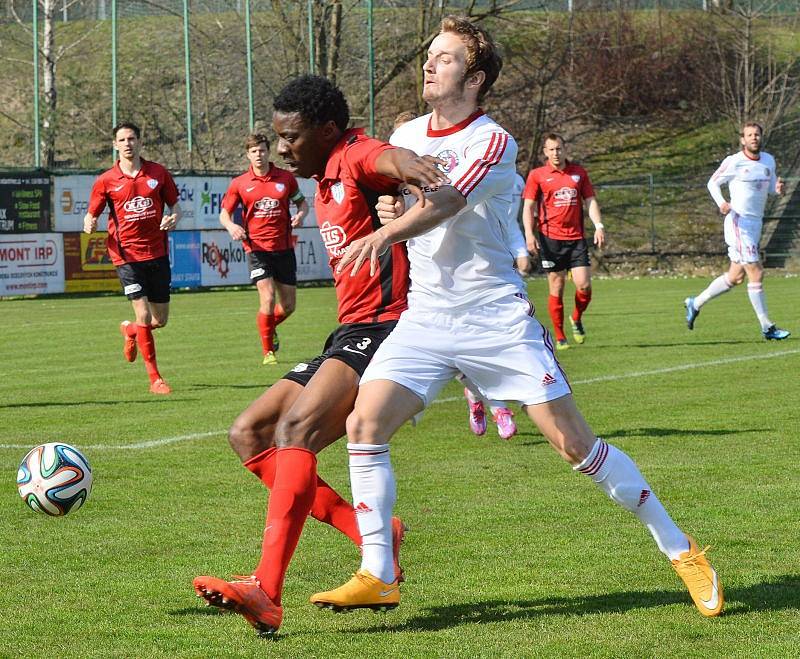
775	595
673	344
674	432
74	403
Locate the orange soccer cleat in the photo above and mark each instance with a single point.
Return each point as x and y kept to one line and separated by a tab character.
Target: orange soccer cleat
244	596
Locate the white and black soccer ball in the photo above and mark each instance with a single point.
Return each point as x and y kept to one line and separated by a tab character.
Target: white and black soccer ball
54	479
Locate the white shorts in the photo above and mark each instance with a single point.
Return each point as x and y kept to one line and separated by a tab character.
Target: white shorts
500	346
742	236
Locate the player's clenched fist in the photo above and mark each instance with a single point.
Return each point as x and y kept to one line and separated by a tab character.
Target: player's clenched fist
390	207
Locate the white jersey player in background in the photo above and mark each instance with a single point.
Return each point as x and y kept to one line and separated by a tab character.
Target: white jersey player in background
750	176
467	311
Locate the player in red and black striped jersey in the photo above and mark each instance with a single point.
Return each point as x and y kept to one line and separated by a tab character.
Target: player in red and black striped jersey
264	192
279	435
137	193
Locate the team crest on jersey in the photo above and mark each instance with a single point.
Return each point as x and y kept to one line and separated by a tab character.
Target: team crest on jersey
334	238
337	192
576	178
450	160
152	183
280	187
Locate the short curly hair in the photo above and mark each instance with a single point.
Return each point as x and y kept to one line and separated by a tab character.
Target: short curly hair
482	53
316	99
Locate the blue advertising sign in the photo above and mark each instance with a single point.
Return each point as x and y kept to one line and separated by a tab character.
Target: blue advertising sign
184	255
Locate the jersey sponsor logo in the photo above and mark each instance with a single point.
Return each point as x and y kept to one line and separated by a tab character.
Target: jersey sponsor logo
256	273
548	264
280	187
334	238
138	205
302	366
152	183
130	289
576	177
337	192
450	158
266	204
565	196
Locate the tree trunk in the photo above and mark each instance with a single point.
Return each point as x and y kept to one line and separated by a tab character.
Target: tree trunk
334	39
48	136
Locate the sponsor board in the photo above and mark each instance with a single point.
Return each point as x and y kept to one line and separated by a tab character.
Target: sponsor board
184	256
223	261
200	198
31	264
24	203
87	266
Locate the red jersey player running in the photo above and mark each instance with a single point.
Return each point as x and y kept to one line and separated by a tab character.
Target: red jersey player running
557	194
136	192
264	192
279	435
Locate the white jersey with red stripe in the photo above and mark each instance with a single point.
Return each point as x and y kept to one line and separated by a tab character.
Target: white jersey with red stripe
749	182
464	261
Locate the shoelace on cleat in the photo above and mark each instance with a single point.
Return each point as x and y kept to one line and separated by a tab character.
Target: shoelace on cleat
477	411
250	579
691	562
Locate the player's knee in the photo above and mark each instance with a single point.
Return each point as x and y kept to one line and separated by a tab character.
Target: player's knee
295	430
288	308
362	429
584	288
245	441
157	323
736	279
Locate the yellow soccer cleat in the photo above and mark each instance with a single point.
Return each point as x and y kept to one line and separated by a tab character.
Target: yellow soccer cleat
269	359
701	579
562	344
363	591
578	333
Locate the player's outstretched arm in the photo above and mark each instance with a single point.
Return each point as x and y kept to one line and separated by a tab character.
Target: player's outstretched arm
418	172
442	204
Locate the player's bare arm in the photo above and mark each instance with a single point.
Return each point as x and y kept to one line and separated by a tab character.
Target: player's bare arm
593	210
528	223
89	223
418	172
235	231
780	187
442	204
300	215
170	220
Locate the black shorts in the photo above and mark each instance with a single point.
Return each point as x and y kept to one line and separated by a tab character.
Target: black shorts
280	266
150	279
354	344
559	255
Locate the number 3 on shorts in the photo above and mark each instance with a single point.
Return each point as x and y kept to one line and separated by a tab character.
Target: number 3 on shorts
362	345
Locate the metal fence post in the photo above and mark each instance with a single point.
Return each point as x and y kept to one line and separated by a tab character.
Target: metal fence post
371	70
113	72
188	78
310	7
37	148
652	214
249	39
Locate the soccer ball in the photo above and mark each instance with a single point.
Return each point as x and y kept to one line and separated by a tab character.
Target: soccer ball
54	479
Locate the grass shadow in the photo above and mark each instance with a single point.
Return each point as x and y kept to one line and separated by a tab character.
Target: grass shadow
674	432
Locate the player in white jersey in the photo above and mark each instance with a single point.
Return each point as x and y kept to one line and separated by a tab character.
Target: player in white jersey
750	176
515	243
468	312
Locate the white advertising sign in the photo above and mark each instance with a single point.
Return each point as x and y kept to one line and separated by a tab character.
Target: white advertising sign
223	262
31	264
71	201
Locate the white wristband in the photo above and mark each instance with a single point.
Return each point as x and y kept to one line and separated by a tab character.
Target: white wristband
599	225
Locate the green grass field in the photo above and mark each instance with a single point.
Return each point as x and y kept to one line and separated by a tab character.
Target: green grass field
510	553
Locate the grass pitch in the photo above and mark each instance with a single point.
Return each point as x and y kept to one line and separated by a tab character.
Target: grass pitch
510	553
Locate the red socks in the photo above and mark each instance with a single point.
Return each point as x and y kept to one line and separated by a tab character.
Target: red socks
289	505
266	328
147	347
327	507
582	299
556	307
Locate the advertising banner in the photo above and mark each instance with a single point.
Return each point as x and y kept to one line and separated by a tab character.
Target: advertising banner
184	256
87	266
223	261
31	264
71	201
24	203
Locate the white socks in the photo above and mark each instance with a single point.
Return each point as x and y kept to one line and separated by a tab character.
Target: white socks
756	294
619	477
717	287
374	493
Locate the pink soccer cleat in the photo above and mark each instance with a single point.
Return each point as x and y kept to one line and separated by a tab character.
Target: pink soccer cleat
477	415
504	418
